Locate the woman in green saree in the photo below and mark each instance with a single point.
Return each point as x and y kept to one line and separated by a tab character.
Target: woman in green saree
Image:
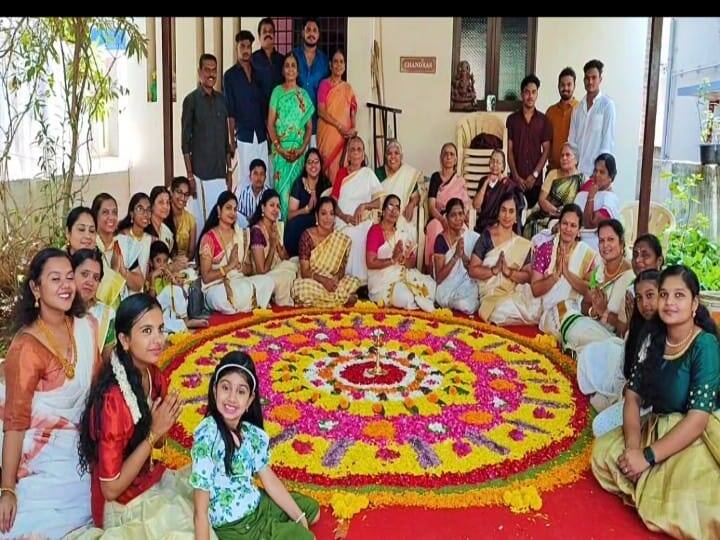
290	129
559	188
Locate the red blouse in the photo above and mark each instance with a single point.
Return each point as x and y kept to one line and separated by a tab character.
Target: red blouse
113	436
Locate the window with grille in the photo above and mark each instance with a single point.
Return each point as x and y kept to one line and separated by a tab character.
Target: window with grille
500	51
288	33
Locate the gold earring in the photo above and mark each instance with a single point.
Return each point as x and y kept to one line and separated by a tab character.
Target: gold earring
37	303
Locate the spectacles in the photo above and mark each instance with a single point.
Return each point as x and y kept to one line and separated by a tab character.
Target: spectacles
395	206
183	194
142	209
313	162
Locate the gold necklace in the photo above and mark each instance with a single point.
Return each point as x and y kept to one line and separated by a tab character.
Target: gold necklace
132	234
67	365
613	276
682	343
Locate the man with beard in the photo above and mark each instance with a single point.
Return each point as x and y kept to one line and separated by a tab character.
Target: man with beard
592	128
559	115
206	141
267	61
246	110
529	136
313	67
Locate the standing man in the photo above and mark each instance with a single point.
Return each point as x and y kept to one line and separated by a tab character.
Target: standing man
560	114
267	62
529	136
206	141
592	128
246	110
313	66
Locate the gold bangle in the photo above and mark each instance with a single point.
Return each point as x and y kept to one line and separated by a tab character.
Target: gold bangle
151	439
9	490
222	271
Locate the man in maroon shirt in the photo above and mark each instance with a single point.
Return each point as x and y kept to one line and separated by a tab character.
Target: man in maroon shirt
529	137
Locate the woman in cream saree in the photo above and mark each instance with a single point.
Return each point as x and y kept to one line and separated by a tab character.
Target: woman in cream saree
222	249
357	192
323	257
452	252
391	257
501	265
267	256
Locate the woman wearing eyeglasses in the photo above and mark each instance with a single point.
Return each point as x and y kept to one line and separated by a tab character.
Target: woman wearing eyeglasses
133	244
180	221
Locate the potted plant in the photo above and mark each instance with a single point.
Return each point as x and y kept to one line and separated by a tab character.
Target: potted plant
709	126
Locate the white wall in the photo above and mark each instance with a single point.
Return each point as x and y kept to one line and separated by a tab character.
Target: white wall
620	44
426	122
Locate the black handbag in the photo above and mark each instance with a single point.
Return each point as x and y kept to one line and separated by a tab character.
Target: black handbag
196	302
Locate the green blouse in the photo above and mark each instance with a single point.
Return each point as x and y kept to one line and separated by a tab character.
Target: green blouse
691	381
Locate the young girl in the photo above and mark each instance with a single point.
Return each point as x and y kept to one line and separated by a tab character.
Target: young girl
230	448
167	288
645	302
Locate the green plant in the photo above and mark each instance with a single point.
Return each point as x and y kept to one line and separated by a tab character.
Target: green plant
55	79
709	118
688	243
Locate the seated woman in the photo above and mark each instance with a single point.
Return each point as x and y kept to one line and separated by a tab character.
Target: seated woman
132	245
667	467
220	253
402	180
597	199
501	265
180	221
304	196
451	258
128	413
323	257
493	187
159	212
357	192
105	209
644	309
393	279
603	312
267	255
46	379
561	273
88	268
559	188
647	254
445	184
80	228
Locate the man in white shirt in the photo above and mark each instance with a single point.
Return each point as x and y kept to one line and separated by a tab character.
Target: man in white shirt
592	128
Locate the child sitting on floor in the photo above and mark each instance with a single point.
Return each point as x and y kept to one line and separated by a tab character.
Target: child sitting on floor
167	288
230	448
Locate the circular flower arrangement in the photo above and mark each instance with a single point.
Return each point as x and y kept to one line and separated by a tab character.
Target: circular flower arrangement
411	409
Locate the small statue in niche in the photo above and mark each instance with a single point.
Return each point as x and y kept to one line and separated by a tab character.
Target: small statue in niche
463	87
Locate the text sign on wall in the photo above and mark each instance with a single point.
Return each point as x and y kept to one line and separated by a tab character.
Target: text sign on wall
418	64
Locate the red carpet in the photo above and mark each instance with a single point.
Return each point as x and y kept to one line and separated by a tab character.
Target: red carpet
579	511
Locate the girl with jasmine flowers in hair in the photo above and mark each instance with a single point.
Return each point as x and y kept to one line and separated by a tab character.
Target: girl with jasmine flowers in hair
230	448
127	415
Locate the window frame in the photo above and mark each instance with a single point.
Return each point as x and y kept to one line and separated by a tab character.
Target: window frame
492	62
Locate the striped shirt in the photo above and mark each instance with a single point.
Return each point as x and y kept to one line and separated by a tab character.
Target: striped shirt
247	203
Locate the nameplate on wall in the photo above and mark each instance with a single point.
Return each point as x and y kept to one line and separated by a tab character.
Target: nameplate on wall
418	64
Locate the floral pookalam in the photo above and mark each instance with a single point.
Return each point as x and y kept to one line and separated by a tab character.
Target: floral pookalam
446	412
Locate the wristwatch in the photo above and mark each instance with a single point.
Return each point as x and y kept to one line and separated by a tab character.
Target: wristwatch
649	455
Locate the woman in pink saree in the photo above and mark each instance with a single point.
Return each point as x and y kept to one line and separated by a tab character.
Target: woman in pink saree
336	110
445	184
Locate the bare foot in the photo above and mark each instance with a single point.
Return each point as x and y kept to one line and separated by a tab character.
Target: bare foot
351	300
197	323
